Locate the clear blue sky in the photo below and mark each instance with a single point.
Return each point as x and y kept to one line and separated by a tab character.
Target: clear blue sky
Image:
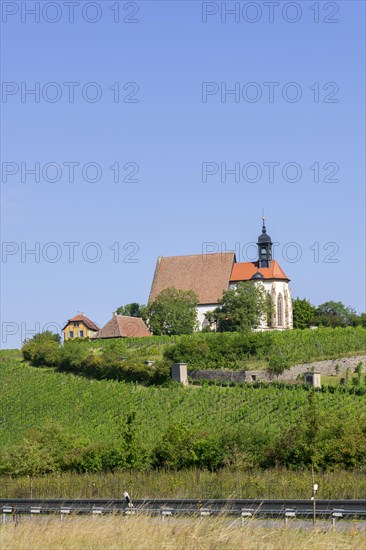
169	132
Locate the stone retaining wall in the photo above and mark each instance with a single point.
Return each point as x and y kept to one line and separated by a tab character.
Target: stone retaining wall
327	367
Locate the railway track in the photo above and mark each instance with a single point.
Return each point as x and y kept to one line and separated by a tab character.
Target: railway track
325	509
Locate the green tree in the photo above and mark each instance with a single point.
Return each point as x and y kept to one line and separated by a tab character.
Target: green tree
358	371
348	372
304	313
42	349
173	312
135	454
176	448
29	458
301	444
132	310
47	336
278	362
242	308
313	424
336	314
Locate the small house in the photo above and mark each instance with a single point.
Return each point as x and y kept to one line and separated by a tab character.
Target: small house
122	326
79	326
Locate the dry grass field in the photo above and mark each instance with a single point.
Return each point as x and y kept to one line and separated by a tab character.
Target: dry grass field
144	533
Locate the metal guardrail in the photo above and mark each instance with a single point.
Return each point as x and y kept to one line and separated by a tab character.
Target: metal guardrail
246	509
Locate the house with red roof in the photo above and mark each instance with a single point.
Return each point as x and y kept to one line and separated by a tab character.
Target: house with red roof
79	326
122	326
209	275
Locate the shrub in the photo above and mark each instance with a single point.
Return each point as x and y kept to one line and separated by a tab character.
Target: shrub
280	349
176	449
42	349
212	351
278	363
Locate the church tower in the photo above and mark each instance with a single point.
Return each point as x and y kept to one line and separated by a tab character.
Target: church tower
264	247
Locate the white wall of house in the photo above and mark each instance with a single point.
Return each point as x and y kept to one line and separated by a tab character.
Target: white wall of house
201	310
276	289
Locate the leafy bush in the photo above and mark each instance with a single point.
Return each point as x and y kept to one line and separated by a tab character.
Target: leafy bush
42	349
124	358
241	308
101	363
278	363
280	349
173	312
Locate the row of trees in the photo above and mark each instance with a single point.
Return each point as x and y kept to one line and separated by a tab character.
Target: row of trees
174	311
330	314
241	309
118	359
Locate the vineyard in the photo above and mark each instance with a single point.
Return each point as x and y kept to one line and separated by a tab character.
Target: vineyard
127	358
98	425
298	346
279	350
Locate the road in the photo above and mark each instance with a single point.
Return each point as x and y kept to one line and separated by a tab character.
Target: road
333	509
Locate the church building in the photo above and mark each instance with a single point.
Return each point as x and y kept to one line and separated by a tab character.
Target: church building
209	275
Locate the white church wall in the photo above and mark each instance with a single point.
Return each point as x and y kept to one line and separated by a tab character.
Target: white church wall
275	288
201	310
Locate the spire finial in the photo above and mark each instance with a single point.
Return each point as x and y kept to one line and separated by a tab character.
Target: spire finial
263	221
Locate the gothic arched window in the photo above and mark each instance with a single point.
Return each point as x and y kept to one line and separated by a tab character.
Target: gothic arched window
280	310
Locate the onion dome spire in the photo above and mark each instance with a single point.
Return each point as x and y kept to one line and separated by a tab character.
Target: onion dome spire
264	247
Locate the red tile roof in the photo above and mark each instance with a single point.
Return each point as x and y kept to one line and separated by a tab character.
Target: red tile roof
87	322
208	275
244	271
121	326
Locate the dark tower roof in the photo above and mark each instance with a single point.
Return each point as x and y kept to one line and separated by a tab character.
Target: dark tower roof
257	276
264	238
264	248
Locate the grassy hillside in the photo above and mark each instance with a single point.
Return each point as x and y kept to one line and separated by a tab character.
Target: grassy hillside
32	396
124	358
177	427
233	349
209	442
